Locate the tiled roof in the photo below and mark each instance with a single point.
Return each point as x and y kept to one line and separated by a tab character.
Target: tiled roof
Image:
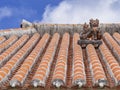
34	60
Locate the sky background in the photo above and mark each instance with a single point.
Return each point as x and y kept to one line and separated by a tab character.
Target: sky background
57	11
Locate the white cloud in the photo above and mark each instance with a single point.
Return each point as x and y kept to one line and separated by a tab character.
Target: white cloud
5	12
79	11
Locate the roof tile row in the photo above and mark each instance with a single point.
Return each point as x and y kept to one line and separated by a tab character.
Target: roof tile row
5	56
2	39
117	37
114	46
112	64
12	64
59	75
44	68
25	68
98	75
7	43
79	76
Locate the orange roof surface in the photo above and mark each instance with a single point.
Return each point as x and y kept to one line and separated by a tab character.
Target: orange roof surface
55	61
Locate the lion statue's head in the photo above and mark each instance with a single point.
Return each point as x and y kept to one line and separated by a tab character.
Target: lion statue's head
94	23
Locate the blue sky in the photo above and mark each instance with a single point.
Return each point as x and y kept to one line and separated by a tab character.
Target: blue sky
57	11
15	10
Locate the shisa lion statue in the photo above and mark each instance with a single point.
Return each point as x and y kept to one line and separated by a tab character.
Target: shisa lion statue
91	33
95	30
